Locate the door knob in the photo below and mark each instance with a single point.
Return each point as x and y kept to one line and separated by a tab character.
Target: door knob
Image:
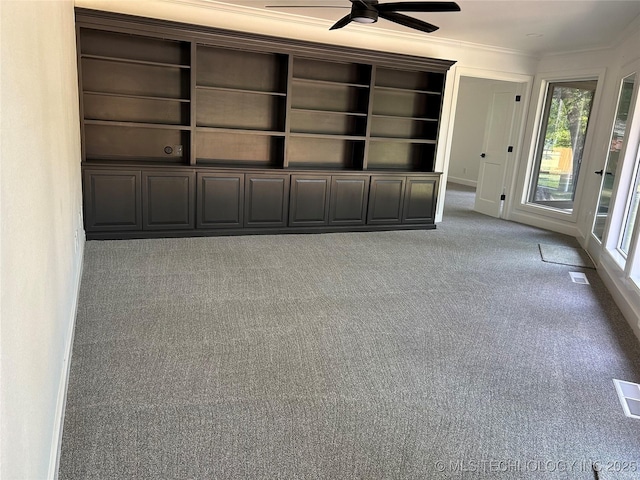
599	172
483	155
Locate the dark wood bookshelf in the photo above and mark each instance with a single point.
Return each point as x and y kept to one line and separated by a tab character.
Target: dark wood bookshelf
262	134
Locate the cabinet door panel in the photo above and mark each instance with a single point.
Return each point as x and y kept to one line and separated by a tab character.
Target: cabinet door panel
420	200
220	200
348	200
309	200
112	200
385	199
266	200
168	200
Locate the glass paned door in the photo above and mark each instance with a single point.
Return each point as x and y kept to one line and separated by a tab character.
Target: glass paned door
611	165
561	143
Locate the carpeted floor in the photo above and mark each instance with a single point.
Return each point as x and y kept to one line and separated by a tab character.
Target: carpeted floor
454	353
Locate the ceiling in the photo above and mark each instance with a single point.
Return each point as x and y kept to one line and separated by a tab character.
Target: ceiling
533	27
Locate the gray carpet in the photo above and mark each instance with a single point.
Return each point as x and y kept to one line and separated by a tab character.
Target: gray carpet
453	353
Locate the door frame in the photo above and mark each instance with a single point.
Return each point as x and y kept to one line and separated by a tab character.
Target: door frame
539	215
525	83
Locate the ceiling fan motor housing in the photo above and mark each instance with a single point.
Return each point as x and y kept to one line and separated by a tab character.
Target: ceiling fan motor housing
364	12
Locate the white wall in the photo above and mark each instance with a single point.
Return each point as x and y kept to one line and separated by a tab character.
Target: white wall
40	212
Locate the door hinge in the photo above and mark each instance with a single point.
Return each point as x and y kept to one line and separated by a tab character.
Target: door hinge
510	149
518	98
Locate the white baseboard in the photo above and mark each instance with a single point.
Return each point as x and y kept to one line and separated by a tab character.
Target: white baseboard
626	296
546	223
56	440
462	181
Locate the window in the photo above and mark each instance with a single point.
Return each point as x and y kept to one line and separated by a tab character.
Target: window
615	148
561	143
630	213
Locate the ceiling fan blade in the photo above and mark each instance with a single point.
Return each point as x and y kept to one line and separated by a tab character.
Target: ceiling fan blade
342	22
408	21
306	6
418	7
366	4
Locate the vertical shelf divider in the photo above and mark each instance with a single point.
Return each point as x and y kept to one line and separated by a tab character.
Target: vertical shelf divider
83	149
287	115
193	104
372	84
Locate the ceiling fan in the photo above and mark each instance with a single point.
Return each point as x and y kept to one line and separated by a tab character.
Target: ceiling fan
368	11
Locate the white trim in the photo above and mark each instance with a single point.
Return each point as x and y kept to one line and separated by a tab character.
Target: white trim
462	181
546	223
58	422
624	293
279	16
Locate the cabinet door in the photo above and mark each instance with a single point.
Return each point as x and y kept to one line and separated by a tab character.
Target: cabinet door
266	200
309	204
385	199
420	200
168	200
220	200
112	200
348	204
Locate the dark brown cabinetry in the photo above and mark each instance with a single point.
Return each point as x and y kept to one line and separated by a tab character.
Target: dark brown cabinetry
168	200
267	200
420	200
386	198
141	203
220	200
309	202
112	200
348	204
188	130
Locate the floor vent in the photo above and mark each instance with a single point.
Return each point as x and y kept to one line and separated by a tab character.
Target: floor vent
629	394
579	277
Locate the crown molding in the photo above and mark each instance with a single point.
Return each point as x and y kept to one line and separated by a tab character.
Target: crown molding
355	29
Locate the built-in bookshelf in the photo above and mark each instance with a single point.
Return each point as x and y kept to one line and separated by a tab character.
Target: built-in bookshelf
157	94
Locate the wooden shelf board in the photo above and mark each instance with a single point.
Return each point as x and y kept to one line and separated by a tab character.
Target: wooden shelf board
240	131
399	117
308	166
393	168
111	123
156	126
239	90
407	90
328	112
226	163
328	136
330	82
126	159
140	97
138	62
402	140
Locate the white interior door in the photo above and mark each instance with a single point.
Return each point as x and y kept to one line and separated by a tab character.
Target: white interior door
495	155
